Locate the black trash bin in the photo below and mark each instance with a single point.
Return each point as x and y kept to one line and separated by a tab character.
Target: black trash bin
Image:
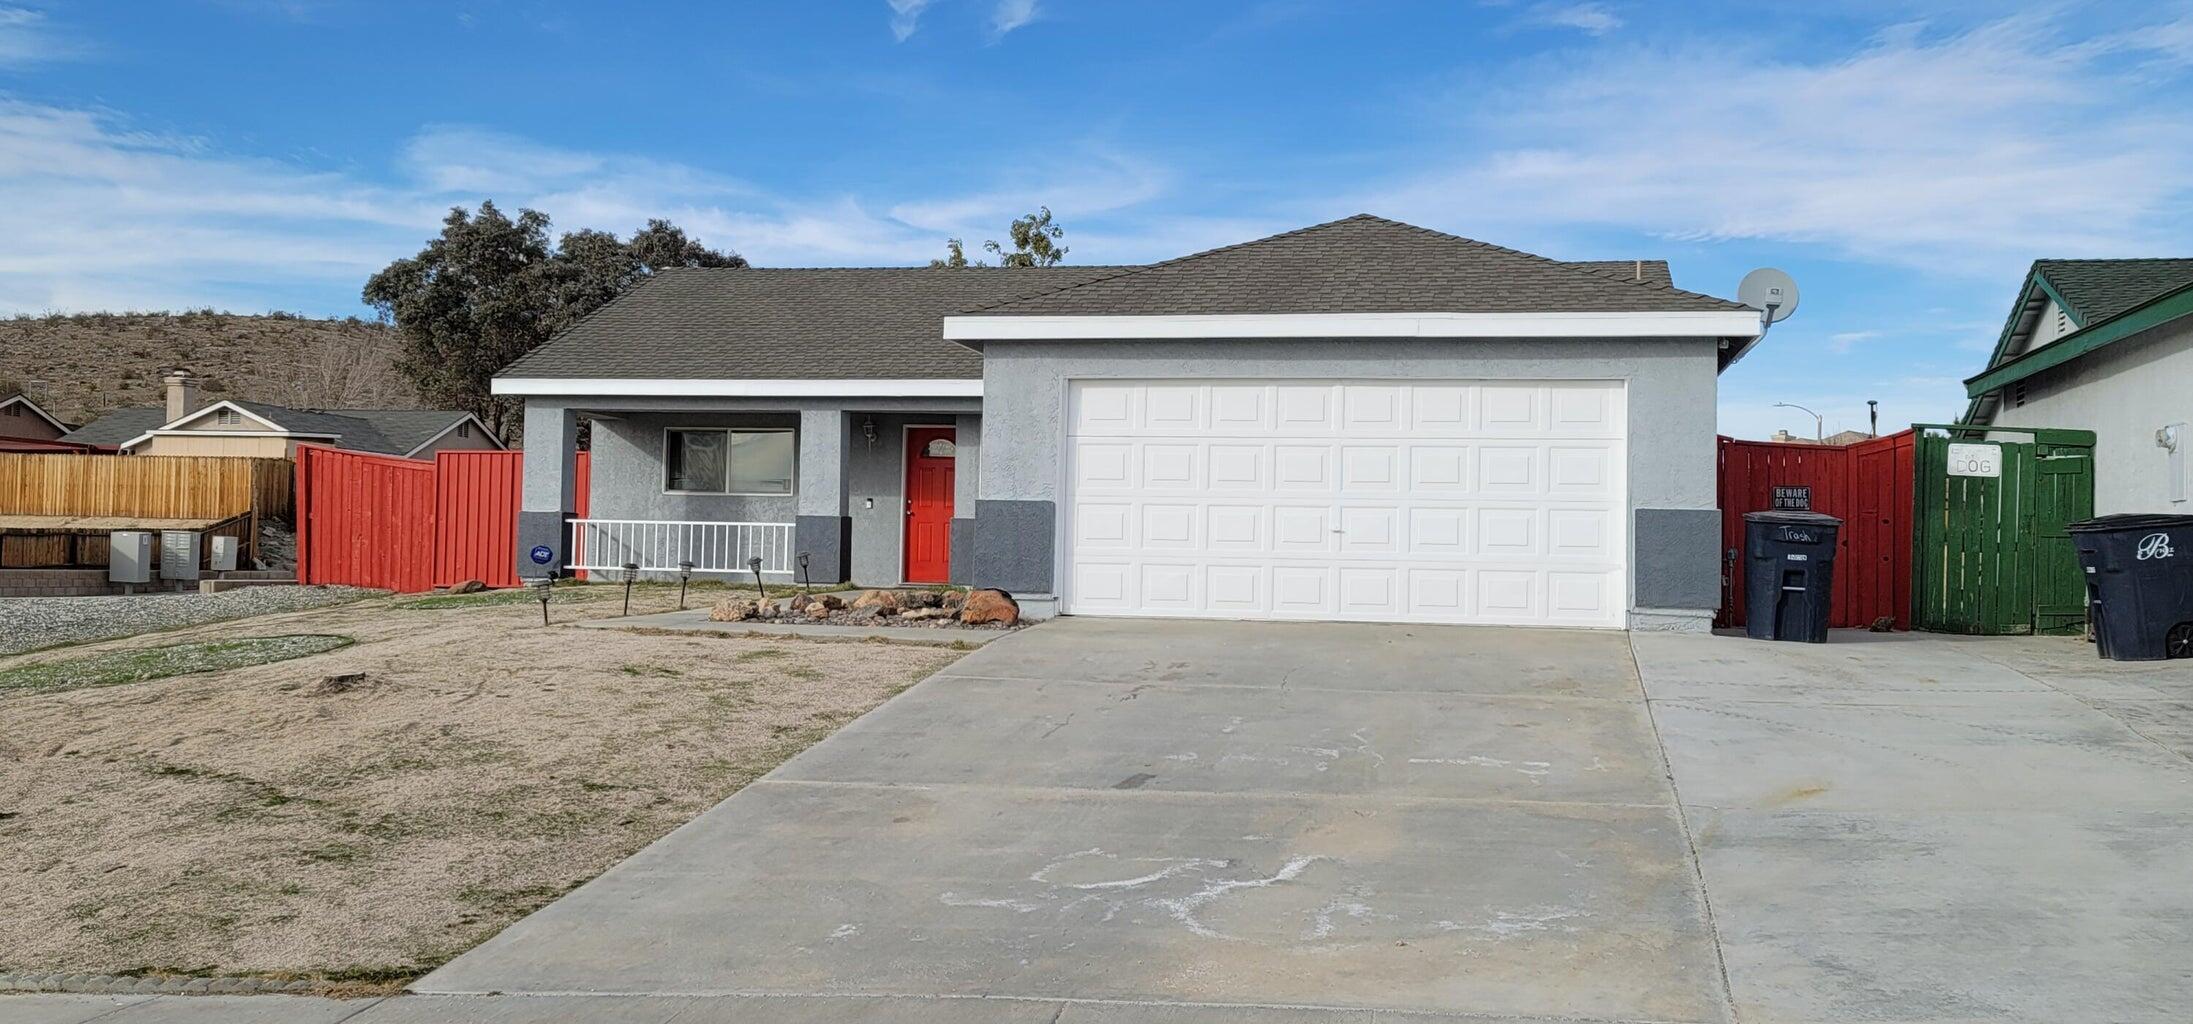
2139	584
1789	575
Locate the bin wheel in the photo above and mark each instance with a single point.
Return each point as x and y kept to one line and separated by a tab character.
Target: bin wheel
2178	643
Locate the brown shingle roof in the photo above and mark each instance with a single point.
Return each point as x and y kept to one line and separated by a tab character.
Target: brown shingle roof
1362	264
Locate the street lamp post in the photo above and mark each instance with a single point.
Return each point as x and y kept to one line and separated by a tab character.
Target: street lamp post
1819	430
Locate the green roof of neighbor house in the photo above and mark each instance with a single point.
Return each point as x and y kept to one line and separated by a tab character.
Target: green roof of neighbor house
2106	301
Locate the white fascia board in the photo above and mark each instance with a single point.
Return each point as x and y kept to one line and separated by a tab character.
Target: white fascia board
678	387
1735	323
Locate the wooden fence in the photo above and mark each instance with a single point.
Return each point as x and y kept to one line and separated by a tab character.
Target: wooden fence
1867	485
147	486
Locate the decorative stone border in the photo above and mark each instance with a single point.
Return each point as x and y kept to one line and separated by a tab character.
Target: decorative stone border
167	985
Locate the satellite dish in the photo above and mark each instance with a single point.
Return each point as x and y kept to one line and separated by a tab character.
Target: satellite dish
1770	291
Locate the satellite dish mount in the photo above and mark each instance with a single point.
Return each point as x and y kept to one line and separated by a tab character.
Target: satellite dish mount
1771	292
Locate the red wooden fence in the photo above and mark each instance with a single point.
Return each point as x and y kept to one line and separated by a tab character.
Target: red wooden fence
1867	485
409	525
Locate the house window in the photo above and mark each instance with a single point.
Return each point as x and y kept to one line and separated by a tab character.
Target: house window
15	410
464	428
228	417
717	461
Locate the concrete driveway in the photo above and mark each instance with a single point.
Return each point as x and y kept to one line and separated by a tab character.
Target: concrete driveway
1112	820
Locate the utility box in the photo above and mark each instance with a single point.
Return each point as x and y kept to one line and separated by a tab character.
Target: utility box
2139	584
223	558
129	556
1789	575
180	551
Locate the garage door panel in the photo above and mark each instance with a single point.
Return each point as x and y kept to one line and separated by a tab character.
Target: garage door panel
1241	409
1304	410
1442	501
1104	409
1235	528
1238	467
1302	529
1303	469
1174	409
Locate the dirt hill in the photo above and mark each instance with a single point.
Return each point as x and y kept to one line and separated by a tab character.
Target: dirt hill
79	366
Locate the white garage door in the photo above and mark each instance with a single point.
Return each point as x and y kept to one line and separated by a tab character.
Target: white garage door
1445	501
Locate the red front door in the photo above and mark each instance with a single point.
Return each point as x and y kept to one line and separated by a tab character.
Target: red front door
930	462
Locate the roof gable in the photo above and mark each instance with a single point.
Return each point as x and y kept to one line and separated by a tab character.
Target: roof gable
1362	264
35	409
2106	300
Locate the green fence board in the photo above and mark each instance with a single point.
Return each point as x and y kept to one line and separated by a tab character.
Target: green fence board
1990	555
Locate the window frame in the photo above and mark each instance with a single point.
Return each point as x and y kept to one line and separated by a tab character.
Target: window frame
793	486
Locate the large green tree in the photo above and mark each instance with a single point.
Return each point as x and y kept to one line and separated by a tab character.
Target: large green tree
492	288
1034	239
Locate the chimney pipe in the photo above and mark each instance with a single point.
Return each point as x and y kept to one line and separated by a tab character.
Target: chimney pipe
182	394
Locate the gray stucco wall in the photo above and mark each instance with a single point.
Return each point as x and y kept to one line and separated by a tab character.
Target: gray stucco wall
2123	393
1671	394
626	476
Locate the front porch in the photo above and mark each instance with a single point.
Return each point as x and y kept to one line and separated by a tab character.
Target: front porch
878	492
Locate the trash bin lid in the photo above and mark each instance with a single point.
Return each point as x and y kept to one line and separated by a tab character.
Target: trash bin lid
1792	518
2129	521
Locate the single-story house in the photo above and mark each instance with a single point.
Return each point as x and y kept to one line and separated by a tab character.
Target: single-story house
1358	420
26	427
187	426
2106	346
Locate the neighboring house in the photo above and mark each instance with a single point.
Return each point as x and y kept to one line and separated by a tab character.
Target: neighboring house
24	427
1835	440
2106	346
1358	420
185	426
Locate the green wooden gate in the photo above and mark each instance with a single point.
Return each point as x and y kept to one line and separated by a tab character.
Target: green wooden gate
1989	549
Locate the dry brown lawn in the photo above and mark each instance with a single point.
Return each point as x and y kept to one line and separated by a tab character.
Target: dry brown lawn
257	822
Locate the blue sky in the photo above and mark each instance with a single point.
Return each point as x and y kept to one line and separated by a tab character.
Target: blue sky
1904	161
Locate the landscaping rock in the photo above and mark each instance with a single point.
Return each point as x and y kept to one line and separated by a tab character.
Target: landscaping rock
985	607
340	682
882	602
799	602
467	587
830	601
732	609
952	600
923	599
924	614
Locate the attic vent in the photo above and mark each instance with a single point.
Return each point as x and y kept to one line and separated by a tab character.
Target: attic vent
2017	395
2063	322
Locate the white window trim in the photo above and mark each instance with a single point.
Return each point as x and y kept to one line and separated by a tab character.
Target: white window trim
793	492
1735	323
186	419
874	387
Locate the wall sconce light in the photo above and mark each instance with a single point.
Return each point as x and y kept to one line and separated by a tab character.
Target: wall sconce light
868	431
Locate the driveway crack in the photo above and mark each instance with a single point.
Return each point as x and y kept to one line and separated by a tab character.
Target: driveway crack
1690	838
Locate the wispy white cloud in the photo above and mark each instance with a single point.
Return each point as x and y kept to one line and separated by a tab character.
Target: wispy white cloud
1012	14
104	215
1967	153
1841	342
27	38
1593	18
905	17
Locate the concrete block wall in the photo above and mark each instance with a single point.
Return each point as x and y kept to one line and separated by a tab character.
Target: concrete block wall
55	583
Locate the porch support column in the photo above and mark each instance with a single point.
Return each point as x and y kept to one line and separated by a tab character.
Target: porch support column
824	532
966	484
551	491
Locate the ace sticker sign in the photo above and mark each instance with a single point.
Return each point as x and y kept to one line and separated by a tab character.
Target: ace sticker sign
1976	460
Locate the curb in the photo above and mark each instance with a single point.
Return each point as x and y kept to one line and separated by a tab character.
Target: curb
169	985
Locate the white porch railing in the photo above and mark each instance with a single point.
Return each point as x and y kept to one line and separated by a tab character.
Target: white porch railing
658	545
